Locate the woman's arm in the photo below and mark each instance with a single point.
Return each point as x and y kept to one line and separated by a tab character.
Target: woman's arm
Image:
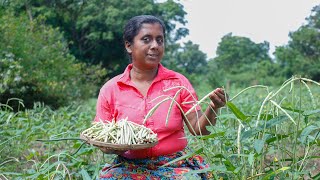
198	119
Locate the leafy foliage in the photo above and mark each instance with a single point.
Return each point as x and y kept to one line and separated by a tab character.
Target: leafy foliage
269	134
251	140
41	143
240	60
37	66
234	50
301	56
188	60
94	28
262	134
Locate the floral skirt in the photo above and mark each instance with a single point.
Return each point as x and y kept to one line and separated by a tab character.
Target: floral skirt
151	168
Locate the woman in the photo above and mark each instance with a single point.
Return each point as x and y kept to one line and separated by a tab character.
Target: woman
144	83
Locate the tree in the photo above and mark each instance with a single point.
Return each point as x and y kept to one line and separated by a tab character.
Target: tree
301	56
235	51
94	27
239	59
35	65
188	60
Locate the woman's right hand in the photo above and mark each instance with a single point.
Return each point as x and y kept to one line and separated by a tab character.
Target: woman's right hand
110	151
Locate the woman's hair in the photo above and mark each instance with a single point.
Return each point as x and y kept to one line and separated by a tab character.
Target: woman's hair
133	26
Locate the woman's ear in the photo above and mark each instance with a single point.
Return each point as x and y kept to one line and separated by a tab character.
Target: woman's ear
128	47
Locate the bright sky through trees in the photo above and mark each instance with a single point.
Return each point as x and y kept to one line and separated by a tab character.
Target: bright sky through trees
259	20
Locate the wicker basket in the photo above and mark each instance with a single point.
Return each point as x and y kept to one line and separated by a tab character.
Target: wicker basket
120	147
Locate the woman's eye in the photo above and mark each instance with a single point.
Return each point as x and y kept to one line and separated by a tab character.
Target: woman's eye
160	41
146	39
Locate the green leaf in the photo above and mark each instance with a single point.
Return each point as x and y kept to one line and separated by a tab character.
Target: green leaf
236	111
258	145
311	112
292	110
85	175
219	168
275	172
12	173
45	170
213	135
229	165
251	159
219	156
312	157
307	131
275	121
238	169
266	117
277	137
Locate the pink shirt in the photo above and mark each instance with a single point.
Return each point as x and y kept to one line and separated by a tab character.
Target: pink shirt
118	98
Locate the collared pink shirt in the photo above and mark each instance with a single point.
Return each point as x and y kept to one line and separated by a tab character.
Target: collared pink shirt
119	98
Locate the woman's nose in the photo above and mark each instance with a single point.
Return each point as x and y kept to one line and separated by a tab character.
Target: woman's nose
154	44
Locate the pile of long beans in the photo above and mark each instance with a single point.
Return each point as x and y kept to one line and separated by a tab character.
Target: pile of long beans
120	132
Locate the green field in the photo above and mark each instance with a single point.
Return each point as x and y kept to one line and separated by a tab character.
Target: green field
262	133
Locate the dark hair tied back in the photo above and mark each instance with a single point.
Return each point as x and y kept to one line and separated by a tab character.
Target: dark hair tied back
133	26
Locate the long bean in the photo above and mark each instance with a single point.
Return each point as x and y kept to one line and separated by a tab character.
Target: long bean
120	132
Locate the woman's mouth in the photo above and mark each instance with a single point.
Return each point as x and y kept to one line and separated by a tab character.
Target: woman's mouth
152	55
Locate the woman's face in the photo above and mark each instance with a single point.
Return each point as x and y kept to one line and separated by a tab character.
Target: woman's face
148	46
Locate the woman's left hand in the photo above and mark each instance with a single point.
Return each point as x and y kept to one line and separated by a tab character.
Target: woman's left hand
218	98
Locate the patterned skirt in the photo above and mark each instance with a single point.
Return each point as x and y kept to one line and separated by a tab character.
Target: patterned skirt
151	168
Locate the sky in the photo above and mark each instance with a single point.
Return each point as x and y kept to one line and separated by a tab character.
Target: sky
259	20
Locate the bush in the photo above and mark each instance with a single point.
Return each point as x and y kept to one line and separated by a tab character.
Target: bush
35	65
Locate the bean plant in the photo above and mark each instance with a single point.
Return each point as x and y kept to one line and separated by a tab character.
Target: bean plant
266	133
262	133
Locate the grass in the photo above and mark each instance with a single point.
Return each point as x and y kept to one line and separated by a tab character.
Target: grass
262	133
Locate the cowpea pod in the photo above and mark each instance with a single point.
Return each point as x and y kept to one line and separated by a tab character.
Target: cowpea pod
121	131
